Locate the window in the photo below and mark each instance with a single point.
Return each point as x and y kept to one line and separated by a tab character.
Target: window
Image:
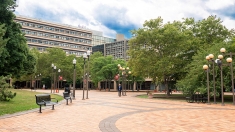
39	26
51	36
29	40
28	32
46	28
51	43
62	30
34	33
51	28
67	32
46	35
57	30
40	34
34	40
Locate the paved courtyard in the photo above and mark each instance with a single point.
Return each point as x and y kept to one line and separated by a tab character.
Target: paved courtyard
106	112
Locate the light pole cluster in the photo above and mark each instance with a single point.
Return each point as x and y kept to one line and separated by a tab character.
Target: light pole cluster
125	72
210	58
220	64
37	81
53	81
86	75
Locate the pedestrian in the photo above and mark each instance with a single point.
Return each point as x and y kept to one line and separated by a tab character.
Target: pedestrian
119	90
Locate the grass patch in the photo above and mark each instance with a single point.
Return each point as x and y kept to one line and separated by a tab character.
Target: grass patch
24	100
228	99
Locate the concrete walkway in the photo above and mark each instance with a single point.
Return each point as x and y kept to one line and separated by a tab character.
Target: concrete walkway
106	112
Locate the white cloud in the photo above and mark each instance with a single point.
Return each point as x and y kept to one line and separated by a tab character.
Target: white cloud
94	14
219	4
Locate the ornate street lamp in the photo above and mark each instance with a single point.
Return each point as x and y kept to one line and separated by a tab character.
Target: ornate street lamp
39	80
52	67
59	80
54	78
229	60
88	74
74	63
84	76
125	72
219	62
35	84
210	58
205	67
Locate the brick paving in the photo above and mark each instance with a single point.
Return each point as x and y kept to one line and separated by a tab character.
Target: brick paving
106	112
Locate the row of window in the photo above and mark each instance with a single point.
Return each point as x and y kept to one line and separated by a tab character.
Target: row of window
55	29
43	49
47	35
54	43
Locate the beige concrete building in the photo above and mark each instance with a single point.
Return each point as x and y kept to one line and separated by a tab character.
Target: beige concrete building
41	35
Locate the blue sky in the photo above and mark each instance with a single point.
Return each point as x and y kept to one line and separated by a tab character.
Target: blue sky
121	16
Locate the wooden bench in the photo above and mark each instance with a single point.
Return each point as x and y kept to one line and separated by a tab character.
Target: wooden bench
67	97
196	98
45	100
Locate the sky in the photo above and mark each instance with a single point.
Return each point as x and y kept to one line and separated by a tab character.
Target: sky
122	16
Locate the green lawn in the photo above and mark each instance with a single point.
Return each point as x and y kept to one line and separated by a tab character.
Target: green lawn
228	99
24	100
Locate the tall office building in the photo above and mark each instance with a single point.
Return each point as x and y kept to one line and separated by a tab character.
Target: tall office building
117	49
99	39
42	35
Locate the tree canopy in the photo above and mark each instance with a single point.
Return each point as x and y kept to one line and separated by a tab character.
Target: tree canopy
16	59
164	51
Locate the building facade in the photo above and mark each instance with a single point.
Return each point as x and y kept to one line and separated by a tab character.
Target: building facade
117	49
99	39
42	35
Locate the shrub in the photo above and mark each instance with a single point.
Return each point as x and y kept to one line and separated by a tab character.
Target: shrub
5	94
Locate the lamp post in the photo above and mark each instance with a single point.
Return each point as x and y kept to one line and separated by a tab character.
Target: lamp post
52	67
84	76
125	72
229	60
54	78
39	80
205	67
219	62
59	80
88	74
35	85
74	63
210	58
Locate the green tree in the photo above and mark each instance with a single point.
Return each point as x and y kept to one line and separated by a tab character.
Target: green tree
156	48
195	80
2	41
15	54
5	94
